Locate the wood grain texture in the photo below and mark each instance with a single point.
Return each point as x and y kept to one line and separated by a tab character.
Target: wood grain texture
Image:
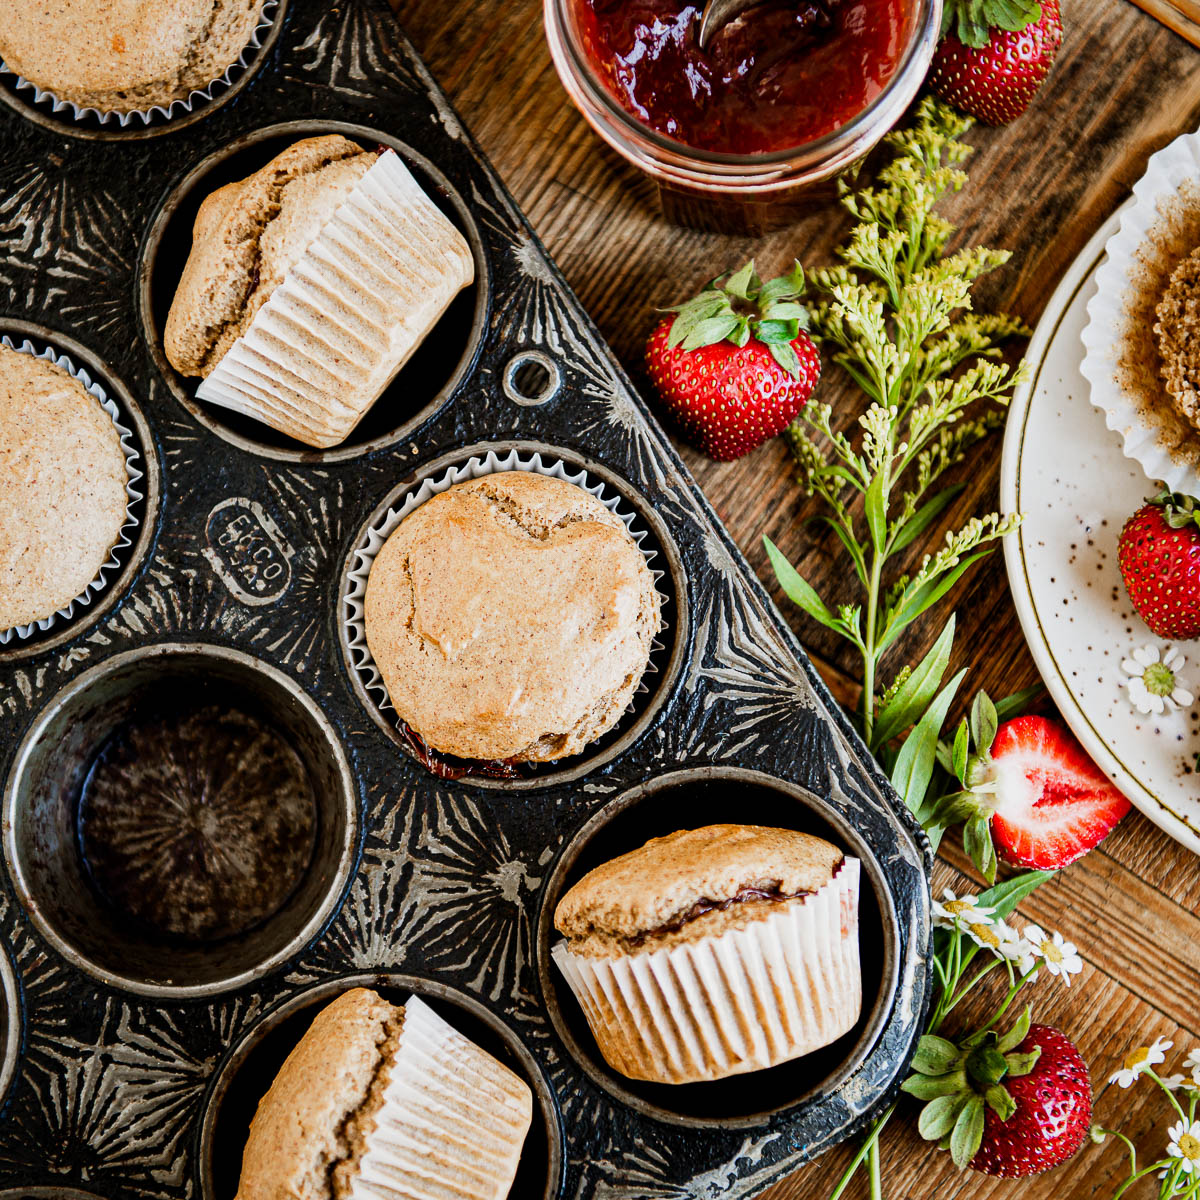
1124	86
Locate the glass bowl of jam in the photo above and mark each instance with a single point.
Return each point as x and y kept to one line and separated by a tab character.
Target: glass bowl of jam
747	133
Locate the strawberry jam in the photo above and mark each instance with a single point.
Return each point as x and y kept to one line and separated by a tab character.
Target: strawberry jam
778	76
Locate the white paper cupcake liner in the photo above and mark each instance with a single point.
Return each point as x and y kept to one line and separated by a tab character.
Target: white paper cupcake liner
738	1001
452	1122
132	492
1153	434
474	468
140	118
349	314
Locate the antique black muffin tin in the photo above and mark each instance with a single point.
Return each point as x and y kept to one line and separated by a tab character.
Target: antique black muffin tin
129	1067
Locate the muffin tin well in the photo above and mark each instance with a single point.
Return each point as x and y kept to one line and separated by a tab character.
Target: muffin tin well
248	1071
235	589
423	384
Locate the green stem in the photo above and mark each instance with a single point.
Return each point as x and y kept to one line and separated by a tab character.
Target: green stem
869	653
873	1166
1169	1094
1137	1178
872	1139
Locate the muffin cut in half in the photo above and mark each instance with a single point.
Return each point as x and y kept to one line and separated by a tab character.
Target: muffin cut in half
714	951
309	284
511	618
384	1101
63	476
125	55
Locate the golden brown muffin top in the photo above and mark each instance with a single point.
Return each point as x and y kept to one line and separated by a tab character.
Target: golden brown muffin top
511	617
63	477
636	895
122	55
1178	331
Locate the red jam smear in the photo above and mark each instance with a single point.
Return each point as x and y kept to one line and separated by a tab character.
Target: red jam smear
780	75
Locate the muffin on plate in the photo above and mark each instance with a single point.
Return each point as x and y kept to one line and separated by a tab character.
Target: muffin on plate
309	284
711	952
511	618
125	55
63	478
383	1100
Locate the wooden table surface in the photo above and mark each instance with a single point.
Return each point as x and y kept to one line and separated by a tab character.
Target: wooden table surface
1123	86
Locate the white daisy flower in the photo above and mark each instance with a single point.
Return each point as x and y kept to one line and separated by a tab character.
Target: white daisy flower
1139	1060
1059	955
1021	954
1184	1145
966	909
995	937
1192	1063
1154	683
1174	1083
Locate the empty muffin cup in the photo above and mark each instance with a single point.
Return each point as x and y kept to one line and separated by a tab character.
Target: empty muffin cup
110	102
134	493
388	519
180	819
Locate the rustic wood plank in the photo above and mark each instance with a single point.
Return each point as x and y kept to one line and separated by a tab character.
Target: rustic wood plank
1123	87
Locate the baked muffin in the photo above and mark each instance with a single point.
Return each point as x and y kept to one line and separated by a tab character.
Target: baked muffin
1178	333
390	1097
511	618
63	478
309	284
714	951
125	55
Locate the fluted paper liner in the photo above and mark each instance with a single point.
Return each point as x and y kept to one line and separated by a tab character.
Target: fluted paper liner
349	314
1156	437
139	118
452	1122
133	492
474	468
738	1001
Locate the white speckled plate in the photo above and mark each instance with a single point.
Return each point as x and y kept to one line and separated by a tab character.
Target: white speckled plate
1068	474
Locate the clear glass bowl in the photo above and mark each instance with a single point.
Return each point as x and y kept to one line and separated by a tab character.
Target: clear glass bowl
737	193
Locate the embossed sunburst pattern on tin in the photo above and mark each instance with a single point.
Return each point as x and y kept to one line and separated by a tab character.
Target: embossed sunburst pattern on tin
247	552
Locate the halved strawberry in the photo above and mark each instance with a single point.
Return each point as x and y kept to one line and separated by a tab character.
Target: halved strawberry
1051	803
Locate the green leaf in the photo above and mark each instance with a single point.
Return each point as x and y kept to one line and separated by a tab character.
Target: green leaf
987	1066
786	357
938	1117
977	842
983	722
913	697
926	597
959	755
852	549
774	331
935	1055
1000	1101
1018	702
921	519
798	589
1016	1035
877	512
914	764
1022	1064
967	1132
740	283
711	330
1004	897
930	1087
786	310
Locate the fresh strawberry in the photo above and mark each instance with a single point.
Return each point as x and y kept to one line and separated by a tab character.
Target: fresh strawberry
994	55
1016	1104
1050	803
1159	556
1053	1110
733	365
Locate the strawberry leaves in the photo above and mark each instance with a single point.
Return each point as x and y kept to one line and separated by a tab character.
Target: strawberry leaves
971	20
735	307
1179	511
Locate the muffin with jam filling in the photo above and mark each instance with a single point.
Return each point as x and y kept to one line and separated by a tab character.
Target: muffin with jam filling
714	951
